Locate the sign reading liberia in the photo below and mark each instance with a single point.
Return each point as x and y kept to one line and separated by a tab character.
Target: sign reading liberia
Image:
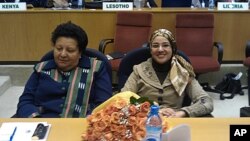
232	6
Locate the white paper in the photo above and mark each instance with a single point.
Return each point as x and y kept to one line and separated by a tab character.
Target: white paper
109	57
23	132
179	133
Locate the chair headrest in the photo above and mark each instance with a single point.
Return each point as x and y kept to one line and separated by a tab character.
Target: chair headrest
134	18
192	20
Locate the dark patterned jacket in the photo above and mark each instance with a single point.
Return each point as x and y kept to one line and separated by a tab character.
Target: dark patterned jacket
50	93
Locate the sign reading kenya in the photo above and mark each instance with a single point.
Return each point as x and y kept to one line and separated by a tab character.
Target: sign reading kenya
13	6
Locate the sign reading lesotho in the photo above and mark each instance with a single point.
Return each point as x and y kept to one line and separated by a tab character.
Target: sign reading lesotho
232	6
117	6
19	6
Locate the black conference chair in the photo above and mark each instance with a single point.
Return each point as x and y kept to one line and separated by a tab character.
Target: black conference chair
176	3
135	57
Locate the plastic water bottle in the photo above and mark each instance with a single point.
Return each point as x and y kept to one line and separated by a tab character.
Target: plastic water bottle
154	125
248	4
79	4
202	4
211	4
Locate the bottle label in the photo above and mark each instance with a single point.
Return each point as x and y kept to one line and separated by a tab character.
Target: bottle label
153	133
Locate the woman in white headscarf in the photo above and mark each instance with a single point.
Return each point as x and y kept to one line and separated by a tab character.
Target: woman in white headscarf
166	78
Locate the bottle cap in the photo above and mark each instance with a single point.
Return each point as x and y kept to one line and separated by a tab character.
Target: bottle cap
154	109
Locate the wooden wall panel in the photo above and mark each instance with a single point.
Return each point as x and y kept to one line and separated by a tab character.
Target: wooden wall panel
25	35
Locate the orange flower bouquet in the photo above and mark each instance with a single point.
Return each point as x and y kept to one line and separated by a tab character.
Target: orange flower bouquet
119	120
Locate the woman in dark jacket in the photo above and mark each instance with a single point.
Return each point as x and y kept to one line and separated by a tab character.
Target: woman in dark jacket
71	84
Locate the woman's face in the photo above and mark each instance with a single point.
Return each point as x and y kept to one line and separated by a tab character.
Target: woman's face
161	50
66	53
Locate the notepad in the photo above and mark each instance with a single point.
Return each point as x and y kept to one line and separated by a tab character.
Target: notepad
24	131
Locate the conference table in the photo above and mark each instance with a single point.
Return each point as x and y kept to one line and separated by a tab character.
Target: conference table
202	129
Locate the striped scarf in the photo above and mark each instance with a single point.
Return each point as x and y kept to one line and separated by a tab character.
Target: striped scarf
180	72
80	80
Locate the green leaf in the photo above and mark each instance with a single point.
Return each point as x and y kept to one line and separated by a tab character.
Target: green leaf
140	100
133	100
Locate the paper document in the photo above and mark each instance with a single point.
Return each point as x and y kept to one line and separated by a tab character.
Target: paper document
24	131
115	55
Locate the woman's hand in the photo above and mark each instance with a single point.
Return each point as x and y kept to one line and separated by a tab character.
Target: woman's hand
169	112
180	114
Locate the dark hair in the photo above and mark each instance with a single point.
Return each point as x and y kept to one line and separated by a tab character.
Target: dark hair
71	30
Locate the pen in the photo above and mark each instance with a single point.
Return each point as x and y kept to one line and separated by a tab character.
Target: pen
12	135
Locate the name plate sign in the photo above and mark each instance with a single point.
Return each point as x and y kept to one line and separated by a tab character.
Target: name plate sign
232	6
117	6
19	6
